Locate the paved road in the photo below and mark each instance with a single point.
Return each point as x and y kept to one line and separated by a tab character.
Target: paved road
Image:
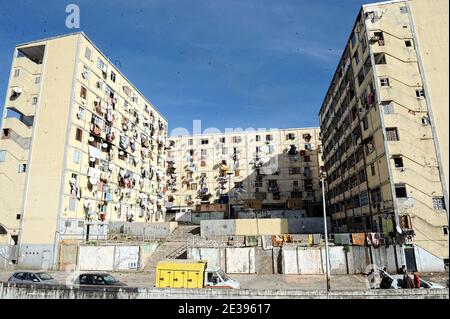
302	282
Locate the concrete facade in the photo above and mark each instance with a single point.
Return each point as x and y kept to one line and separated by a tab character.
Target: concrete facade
80	144
267	169
384	123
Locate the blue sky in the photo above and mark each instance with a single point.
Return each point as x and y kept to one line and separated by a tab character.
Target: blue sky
229	63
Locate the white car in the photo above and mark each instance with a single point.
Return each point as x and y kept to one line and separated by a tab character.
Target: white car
397	283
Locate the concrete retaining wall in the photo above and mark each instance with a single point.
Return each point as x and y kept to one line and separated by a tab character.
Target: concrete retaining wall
297	222
232	260
22	291
243	227
300	260
110	258
226	227
143	230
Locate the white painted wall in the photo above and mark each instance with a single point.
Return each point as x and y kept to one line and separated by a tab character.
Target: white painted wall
108	258
240	260
96	257
427	262
126	258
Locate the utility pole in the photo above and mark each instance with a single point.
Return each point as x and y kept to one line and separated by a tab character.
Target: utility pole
229	193
323	176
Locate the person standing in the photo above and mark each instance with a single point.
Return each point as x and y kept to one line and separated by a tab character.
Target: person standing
416	280
407	281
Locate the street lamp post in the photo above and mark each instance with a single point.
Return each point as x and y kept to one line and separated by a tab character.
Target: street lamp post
326	232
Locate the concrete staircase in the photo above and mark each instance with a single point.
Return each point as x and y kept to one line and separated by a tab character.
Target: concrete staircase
174	247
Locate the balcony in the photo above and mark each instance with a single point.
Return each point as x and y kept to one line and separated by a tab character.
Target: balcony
17	126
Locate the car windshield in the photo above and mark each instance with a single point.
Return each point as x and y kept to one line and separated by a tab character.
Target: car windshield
223	275
109	279
44	276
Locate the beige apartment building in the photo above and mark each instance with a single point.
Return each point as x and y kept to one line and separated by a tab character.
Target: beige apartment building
80	146
259	170
384	124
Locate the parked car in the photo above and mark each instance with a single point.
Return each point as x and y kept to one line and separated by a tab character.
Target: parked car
32	277
97	279
397	283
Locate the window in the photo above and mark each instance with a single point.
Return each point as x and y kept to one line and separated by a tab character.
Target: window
363	44
353	40
88	53
445	230
384	82
102	65
22	168
224	151
271	149
398	161
2	156
388	108
269	137
294	171
400	191
236	139
365	123
204	141
76	156
203	163
34	100
363	199
190	141
408	43
37	80
438	203
307	158
18	216
81	113
113	76
16	73
83	92
372	169
403	9
356	57
258	138
79	135
379	37
425	120
193	186
290	136
380	58
85	73
222	140
420	94
392	134
237	173
276	196
72	203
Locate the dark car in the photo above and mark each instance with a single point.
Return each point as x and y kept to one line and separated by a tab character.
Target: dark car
97	279
32	278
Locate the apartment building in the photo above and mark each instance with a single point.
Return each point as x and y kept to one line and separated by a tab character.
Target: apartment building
80	146
384	123
261	170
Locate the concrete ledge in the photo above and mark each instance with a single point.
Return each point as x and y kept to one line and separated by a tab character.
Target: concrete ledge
25	291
